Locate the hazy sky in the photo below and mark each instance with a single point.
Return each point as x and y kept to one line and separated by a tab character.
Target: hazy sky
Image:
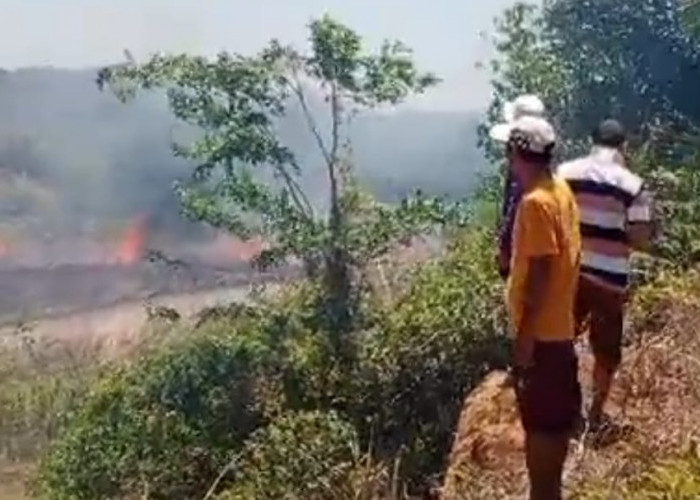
445	34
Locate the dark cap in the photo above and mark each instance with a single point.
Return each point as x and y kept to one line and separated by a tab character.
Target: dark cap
609	133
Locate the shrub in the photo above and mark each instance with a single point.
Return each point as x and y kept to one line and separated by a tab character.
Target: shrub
673	480
678	212
40	384
165	425
415	359
676	479
32	412
308	455
653	301
429	351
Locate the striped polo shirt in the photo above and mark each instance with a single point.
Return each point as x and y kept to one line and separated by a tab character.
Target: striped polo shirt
610	197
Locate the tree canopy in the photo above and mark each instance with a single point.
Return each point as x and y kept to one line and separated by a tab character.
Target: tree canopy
636	61
691	16
246	180
592	59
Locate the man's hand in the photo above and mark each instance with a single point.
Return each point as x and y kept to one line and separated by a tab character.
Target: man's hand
639	236
523	351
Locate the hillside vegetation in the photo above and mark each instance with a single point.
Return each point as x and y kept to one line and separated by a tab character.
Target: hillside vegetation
350	384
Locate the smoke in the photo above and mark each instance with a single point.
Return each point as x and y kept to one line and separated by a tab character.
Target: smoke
92	157
87	178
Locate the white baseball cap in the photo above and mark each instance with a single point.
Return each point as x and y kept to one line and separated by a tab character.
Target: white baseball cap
525	105
532	133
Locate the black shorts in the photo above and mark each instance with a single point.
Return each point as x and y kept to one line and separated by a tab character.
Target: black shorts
548	393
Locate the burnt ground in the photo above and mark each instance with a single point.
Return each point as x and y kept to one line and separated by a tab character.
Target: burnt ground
32	293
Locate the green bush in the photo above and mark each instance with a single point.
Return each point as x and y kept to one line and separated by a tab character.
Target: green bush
435	344
41	383
669	164
299	456
415	359
167	424
32	412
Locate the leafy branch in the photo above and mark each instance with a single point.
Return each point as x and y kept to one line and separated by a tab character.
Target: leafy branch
245	180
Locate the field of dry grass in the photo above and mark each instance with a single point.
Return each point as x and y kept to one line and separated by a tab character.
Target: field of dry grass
45	363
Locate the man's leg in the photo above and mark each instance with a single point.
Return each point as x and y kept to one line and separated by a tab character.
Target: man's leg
603	374
582	308
549	398
545	455
606	341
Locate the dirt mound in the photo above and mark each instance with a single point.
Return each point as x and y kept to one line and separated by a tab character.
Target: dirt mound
488	429
656	397
489	439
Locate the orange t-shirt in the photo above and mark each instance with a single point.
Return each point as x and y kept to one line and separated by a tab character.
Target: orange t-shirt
547	224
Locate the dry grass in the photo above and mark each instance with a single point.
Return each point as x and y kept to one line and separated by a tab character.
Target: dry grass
657	396
658	393
14	478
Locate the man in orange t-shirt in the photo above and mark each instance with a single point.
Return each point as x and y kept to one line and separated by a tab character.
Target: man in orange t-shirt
541	293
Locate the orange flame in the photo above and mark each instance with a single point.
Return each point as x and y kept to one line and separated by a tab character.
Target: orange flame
132	247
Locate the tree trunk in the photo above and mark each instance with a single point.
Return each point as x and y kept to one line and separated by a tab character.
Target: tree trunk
338	278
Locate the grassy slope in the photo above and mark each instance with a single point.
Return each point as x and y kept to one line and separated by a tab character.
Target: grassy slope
657	392
656	396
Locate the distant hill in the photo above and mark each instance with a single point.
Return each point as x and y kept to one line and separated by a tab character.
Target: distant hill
81	157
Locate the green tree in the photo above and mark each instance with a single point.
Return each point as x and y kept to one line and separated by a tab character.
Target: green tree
525	63
591	59
633	60
691	16
247	181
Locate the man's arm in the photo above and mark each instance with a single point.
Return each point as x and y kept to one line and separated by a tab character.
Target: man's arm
511	198
539	272
640	227
537	242
639	236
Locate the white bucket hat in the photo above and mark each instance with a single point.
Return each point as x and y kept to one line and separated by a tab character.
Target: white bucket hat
525	105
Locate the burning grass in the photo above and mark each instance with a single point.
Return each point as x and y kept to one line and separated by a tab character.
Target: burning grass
48	276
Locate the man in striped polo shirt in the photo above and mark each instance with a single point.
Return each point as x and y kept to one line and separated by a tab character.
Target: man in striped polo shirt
615	213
